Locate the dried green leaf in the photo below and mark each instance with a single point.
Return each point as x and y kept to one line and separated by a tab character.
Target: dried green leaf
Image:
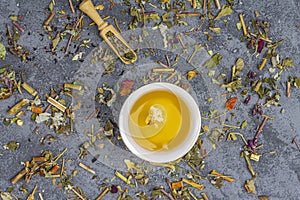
215	30
13	17
51	6
231	136
2	51
55	41
108	128
287	62
244	124
12	146
213	61
226	10
239	65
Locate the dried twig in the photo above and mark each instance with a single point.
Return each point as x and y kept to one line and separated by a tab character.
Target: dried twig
243	24
18	26
83	166
218	6
71	6
105	191
50	18
288	89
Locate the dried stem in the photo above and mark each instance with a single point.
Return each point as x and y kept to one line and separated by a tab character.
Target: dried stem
288	89
167	194
71	6
83	166
50	18
204	5
19	176
188	15
203	194
103	194
218	6
18	26
77	194
117	24
194	4
243	24
263	123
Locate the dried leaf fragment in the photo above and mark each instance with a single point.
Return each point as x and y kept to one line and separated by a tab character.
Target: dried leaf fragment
6	196
230	104
126	87
226	10
250	186
214	61
2	51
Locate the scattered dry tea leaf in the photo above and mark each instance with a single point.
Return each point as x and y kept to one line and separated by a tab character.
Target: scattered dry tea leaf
214	61
231	103
12	146
2	51
126	87
226	10
250	186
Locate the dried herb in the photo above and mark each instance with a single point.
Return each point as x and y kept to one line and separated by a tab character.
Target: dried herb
214	61
225	11
2	51
250	187
230	104
12	146
126	87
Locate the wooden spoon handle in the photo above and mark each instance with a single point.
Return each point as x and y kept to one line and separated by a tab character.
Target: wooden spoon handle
89	9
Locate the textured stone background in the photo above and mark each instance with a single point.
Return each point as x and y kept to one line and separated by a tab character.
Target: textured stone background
279	175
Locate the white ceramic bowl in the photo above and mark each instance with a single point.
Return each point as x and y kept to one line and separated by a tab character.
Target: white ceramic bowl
161	156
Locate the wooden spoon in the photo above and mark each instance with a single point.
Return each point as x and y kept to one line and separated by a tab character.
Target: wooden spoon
106	31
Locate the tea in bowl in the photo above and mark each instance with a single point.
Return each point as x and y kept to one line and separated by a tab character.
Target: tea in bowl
160	122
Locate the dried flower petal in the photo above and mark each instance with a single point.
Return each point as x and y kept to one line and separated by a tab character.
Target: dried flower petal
231	103
126	87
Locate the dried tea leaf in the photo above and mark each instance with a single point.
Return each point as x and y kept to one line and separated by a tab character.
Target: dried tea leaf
2	51
226	10
213	61
250	186
78	56
217	182
51	6
287	62
12	146
6	196
13	17
244	124
109	128
231	136
215	30
126	87
239	65
230	104
55	41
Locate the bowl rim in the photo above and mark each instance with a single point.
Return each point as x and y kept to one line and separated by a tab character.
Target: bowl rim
160	156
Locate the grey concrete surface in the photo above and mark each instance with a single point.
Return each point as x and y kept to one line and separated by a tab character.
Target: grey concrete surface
279	175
